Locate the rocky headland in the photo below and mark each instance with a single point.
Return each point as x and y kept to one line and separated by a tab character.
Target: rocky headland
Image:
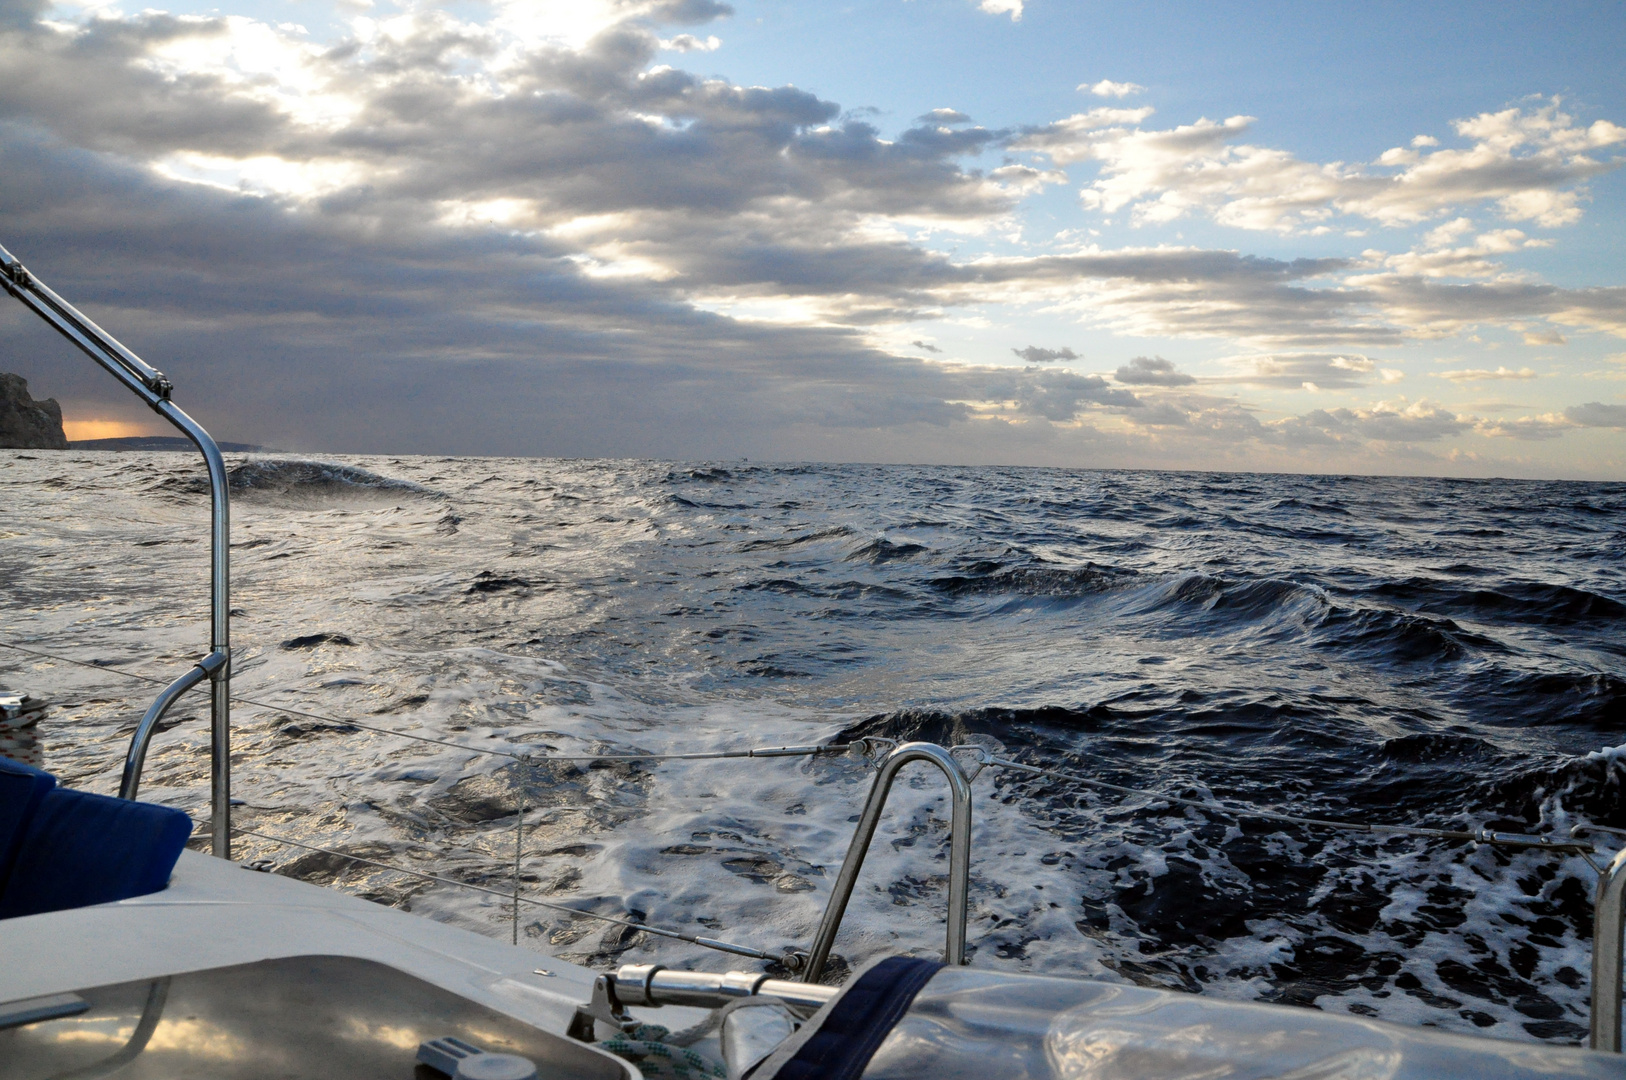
26	424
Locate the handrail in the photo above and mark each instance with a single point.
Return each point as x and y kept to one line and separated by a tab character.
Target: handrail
959	853
136	758
1608	932
151	386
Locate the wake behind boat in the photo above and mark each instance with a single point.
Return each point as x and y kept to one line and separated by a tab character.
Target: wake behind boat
225	972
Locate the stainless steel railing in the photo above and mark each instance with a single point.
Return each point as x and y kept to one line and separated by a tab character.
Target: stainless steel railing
151	386
136	758
959	853
1608	933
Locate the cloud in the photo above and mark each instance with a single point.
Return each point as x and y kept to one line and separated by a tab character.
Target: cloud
1013	8
1108	88
1527	162
1033	354
1059	395
1074	138
1545	337
1312	371
686	12
690	43
1597	414
1539	428
1151	371
1425	308
1025	179
1420	421
574	249
1481	374
943	116
1436	258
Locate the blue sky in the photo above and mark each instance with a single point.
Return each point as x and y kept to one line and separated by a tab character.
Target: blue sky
1364	238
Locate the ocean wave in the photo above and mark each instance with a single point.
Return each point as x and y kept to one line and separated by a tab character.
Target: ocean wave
882	550
1531	602
993	577
1397	651
290	478
777	543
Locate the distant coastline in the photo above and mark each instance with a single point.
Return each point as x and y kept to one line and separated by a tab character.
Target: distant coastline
158	442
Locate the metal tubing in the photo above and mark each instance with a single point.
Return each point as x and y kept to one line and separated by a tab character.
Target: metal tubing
652	985
151	386
1608	928
959	853
135	760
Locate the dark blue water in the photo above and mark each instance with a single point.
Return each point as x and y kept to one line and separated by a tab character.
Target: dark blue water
1405	651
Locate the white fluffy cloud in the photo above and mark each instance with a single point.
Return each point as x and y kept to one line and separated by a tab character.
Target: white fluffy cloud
1108	88
1526	161
1538	428
1013	8
1419	421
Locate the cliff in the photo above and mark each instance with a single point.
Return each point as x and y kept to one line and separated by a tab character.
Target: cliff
26	424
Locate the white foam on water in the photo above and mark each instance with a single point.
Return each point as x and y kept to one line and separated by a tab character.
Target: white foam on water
527	624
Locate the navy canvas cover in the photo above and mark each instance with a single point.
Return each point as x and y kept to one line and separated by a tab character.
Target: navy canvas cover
81	848
22	787
856	1023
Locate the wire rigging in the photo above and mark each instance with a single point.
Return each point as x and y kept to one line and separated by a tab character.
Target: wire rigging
678	935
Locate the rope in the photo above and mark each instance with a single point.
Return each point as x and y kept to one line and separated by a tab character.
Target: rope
1480	836
656	1052
708	943
520	756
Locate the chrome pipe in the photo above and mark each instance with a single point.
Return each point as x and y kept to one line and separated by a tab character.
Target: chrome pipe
959	853
135	760
1608	932
151	386
654	985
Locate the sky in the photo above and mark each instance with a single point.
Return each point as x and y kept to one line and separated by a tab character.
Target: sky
1327	238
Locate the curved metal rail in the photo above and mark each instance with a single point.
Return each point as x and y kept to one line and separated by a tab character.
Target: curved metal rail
136	758
1608	932
151	386
959	853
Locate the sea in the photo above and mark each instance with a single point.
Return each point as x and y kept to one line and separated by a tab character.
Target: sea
1375	650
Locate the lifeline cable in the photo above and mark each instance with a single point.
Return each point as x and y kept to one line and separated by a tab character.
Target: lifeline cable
709	943
1479	836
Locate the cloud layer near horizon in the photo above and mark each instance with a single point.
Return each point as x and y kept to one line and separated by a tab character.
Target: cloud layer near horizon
467	237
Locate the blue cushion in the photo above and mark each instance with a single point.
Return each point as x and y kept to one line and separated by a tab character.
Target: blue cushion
21	789
82	848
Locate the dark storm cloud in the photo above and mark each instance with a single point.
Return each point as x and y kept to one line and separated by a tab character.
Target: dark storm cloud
450	343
